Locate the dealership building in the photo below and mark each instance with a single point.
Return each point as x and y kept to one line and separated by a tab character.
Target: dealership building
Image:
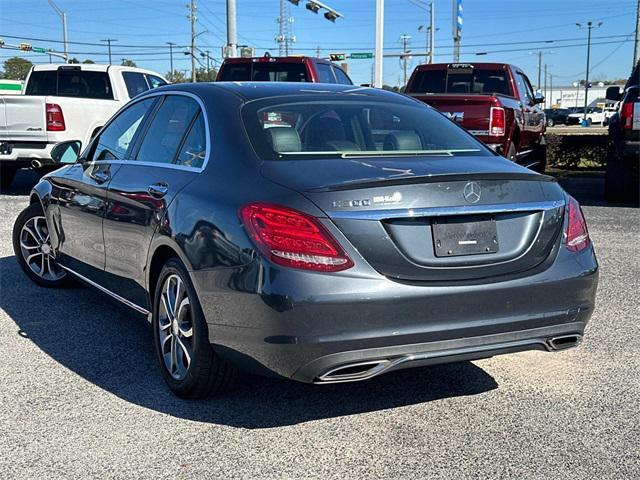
570	96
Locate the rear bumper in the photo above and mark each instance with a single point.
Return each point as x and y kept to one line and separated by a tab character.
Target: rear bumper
301	325
630	148
23	153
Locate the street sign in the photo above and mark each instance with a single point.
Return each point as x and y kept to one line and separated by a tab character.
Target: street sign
39	50
361	56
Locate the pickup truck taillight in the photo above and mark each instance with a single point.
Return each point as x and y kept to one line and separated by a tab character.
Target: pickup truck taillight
626	116
496	121
55	119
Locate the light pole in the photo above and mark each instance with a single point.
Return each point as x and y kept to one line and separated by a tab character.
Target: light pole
63	16
590	26
378	60
232	37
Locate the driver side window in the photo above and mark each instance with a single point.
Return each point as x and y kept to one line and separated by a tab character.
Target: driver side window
117	139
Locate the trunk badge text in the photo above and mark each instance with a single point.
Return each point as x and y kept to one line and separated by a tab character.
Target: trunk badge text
472	192
378	200
455	116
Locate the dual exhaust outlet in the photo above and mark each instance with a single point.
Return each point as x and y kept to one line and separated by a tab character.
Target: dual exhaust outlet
353	372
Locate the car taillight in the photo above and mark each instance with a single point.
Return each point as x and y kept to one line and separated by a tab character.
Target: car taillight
293	239
496	121
626	116
55	119
577	237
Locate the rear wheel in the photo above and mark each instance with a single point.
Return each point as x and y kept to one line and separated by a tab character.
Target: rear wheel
187	361
550	122
7	174
32	247
540	156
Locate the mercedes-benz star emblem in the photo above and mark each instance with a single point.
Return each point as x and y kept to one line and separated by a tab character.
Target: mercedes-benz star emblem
472	192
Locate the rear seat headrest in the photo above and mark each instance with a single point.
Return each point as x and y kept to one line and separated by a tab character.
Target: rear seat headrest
408	140
284	139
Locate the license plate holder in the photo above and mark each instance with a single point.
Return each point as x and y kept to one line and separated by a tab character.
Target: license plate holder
6	148
464	236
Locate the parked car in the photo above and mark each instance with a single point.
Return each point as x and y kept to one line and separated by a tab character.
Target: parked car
365	234
281	69
623	158
594	115
556	116
63	102
608	113
493	101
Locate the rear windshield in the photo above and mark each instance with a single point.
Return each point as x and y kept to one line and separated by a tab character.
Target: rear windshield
461	80
314	128
70	83
264	72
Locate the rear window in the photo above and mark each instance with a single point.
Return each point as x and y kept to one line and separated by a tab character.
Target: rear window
70	83
264	72
314	128
137	82
467	81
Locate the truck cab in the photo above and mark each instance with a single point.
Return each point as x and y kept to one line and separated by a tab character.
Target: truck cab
282	69
493	101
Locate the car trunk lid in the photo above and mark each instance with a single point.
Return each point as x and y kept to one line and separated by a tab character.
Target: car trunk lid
435	219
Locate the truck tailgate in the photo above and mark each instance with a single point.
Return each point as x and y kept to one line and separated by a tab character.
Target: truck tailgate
22	118
470	111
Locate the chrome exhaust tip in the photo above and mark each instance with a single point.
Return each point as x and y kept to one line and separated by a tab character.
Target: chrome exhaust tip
354	371
564	341
36	164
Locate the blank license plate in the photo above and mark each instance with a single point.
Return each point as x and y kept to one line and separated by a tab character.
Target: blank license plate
464	236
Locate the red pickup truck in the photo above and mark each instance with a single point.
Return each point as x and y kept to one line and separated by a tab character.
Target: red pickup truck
493	101
281	69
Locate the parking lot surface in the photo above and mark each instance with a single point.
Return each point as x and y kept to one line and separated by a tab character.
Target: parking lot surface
82	395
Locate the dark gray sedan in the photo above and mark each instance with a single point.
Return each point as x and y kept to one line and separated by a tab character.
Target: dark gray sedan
321	233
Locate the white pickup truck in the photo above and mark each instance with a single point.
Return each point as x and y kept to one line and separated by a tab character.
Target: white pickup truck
62	102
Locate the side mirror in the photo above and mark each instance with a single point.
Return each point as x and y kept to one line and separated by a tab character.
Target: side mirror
614	93
538	98
66	152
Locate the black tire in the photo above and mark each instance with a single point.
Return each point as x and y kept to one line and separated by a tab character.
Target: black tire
621	178
206	373
540	155
511	152
25	246
7	174
550	122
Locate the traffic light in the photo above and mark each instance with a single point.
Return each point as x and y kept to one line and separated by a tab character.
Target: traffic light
25	47
314	7
331	16
338	57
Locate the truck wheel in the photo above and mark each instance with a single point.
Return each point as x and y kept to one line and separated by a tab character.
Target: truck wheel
621	178
7	174
540	155
550	122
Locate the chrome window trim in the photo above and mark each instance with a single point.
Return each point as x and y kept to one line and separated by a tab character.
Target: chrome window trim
443	211
123	300
145	96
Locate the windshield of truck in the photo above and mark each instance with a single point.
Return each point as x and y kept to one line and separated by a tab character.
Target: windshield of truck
304	128
70	83
264	72
468	81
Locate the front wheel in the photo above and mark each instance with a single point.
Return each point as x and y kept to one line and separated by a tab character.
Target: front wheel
32	247
187	361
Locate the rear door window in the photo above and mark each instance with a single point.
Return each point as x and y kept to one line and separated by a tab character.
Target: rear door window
325	73
135	82
168	127
70	82
154	82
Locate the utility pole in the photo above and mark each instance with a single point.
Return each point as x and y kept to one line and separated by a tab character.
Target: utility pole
378	60
457	29
108	41
405	56
635	42
539	68
63	17
232	37
550	91
432	32
590	26
171	45
318	51
545	85
192	19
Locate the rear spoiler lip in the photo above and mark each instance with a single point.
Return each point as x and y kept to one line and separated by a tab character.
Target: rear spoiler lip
456	177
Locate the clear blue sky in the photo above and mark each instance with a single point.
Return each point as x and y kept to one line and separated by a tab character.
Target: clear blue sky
508	30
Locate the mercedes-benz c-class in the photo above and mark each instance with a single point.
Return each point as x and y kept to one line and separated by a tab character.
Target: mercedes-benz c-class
320	233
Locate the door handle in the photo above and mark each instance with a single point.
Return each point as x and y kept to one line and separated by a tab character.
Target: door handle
158	190
100	177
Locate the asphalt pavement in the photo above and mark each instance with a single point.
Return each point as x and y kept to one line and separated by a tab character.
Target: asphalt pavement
81	395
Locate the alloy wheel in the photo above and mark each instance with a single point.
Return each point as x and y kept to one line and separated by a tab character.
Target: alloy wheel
35	245
175	327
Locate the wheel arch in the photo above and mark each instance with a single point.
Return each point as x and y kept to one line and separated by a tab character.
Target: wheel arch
162	249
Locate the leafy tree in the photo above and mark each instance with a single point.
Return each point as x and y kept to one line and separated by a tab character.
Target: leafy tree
16	68
176	77
88	61
73	60
128	63
202	75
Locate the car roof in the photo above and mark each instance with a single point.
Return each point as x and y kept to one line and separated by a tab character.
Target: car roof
480	65
290	59
248	91
91	67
